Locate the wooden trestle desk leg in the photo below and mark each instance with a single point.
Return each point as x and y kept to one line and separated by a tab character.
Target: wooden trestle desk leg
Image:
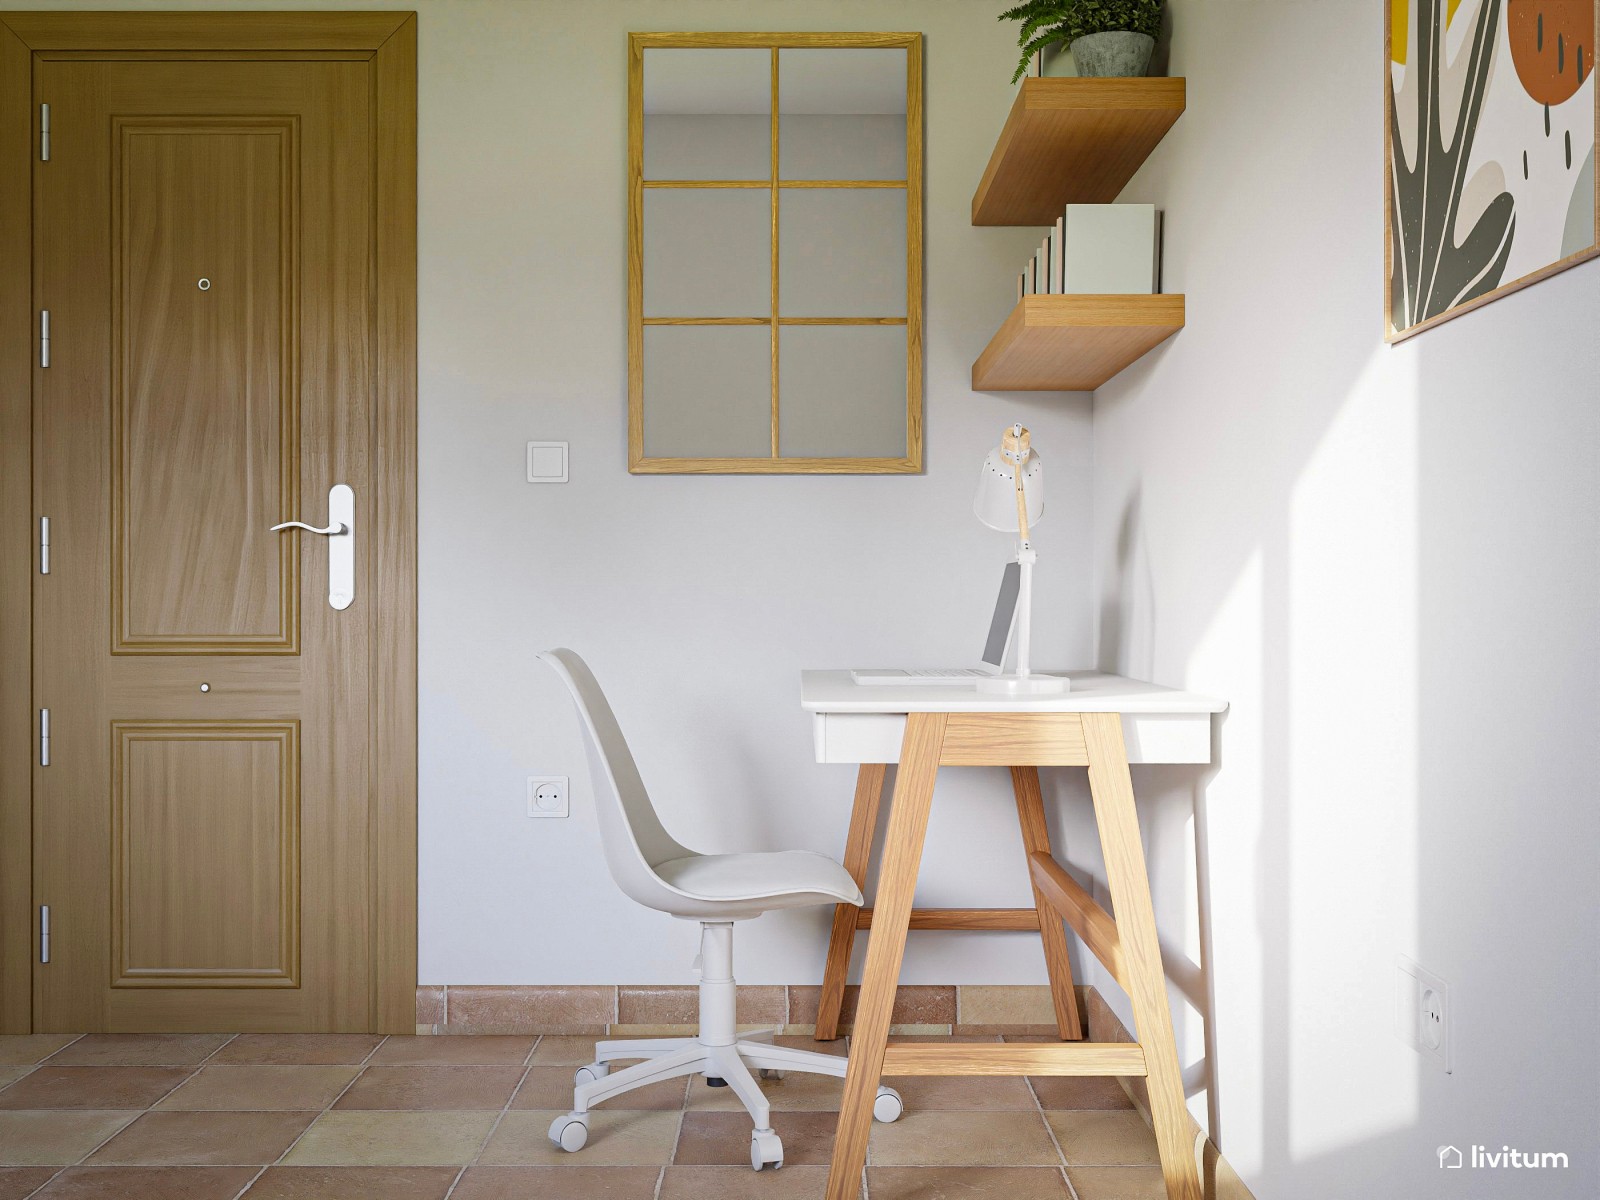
1112	789
857	854
891	918
1036	837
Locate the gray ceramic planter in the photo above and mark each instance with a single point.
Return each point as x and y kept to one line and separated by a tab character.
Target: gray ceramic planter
1119	53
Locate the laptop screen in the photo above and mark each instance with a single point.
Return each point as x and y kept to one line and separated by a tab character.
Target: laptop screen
1005	610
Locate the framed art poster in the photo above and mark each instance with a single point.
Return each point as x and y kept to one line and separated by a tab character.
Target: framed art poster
1490	139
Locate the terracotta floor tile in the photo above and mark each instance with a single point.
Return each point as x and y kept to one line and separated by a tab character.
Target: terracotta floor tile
93	1087
966	1183
797	1091
1079	1091
261	1086
1117	1183
459	1050
741	1183
207	1139
925	1092
466	1087
17	1182
620	1138
140	1050
392	1139
36	1139
964	1139
1105	1138
148	1183
551	1087
302	1049
353	1183
9	1075
23	1049
723	1138
549	1183
557	1050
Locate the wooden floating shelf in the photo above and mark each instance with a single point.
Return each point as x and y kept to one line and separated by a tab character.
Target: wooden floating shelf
1072	141
1073	343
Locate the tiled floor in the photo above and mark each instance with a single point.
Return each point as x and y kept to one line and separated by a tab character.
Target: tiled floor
278	1117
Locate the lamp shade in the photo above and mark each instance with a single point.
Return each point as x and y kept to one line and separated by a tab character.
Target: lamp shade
996	502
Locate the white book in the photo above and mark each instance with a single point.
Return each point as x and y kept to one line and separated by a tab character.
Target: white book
1058	260
1111	249
1041	277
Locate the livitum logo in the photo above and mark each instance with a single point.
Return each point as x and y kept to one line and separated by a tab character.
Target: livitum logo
1482	1158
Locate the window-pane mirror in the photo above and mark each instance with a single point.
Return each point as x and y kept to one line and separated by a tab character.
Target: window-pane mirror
775	280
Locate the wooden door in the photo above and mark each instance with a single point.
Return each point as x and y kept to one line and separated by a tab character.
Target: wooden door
203	242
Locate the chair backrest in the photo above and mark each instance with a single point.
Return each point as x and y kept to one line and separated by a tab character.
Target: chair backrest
631	834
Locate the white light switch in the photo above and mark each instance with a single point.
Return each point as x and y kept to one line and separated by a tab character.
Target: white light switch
547	462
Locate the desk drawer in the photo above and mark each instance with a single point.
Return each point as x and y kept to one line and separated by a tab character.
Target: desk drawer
876	737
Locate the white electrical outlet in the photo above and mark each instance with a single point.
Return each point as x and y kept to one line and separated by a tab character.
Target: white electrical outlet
547	796
1422	1012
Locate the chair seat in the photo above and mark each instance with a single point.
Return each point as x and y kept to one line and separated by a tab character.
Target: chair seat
771	879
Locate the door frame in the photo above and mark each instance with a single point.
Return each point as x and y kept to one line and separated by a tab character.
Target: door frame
388	40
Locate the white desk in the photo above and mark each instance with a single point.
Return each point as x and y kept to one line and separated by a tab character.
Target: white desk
856	723
1105	723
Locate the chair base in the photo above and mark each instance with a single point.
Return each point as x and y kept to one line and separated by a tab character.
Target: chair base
717	1053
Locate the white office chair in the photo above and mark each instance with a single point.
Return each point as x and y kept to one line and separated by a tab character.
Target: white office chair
714	889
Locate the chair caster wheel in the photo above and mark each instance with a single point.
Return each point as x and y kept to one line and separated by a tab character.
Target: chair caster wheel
570	1131
888	1106
766	1150
716	1081
590	1073
771	1073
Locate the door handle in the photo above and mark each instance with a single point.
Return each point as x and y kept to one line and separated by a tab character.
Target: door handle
341	534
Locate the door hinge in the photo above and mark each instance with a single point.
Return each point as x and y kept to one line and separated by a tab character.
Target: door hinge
44	133
44	545
44	737
44	337
44	933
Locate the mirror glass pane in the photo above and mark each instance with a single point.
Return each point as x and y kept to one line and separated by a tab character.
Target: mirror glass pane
842	391
707	391
707	252
842	252
842	114
707	114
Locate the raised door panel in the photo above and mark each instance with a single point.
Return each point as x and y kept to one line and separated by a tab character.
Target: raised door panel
205	854
205	247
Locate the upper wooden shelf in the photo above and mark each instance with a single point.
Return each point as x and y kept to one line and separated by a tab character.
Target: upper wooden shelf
1072	141
1073	343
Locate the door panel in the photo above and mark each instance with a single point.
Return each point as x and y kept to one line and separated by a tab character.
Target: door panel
201	832
204	247
172	861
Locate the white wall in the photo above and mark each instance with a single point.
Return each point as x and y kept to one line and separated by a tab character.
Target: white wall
1387	559
697	600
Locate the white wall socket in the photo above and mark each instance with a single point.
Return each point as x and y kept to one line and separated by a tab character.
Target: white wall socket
547	796
1422	1012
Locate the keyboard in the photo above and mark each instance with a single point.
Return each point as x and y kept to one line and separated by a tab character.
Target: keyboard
934	675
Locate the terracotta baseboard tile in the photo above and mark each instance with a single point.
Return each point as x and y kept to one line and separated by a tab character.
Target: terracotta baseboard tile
1004	1004
431	1004
914	1004
759	1004
535	1009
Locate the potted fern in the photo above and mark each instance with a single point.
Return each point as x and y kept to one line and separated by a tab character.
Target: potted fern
1107	37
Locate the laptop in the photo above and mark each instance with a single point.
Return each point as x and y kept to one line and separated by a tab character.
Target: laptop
994	649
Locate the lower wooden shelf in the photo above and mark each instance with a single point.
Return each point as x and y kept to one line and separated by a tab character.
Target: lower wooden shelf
1073	343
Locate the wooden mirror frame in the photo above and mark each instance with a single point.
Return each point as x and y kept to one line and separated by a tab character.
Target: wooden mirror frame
775	463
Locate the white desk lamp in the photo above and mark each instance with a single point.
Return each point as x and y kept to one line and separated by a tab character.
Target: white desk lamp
1010	498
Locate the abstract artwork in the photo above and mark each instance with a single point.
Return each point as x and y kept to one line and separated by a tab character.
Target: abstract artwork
1490	167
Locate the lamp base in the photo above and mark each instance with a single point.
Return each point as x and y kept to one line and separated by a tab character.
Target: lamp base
1024	685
